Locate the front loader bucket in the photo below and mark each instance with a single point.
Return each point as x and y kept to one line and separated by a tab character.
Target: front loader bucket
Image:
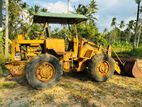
131	67
137	69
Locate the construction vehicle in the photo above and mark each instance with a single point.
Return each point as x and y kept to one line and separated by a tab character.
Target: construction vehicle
43	61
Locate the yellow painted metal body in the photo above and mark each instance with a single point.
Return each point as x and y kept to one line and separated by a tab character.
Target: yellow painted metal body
88	49
76	58
117	68
16	48
58	45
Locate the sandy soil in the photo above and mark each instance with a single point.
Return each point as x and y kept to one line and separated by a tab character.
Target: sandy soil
75	90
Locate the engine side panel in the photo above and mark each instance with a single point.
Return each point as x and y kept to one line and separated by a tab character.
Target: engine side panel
58	45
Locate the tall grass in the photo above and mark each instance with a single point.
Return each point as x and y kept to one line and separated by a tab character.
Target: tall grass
136	52
125	49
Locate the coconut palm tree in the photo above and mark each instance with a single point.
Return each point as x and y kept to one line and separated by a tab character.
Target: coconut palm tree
105	33
24	5
121	28
131	25
122	24
88	10
129	31
113	22
43	10
34	9
82	9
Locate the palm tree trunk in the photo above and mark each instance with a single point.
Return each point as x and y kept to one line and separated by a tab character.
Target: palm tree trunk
0	13
138	41
139	36
6	32
136	28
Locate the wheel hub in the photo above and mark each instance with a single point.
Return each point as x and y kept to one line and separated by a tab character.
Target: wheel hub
103	67
45	72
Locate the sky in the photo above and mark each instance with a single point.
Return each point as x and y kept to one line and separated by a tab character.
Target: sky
107	9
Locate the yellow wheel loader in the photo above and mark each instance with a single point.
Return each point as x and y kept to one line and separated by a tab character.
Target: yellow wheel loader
43	61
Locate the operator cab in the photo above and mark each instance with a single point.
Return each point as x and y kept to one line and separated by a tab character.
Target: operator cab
60	18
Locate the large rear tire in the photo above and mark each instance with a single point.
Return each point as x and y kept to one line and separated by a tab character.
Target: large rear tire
101	67
43	71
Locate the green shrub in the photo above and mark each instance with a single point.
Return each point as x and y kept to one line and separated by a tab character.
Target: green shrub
136	52
2	59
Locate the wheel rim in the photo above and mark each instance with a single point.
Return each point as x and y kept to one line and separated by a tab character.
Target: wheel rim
45	72
103	68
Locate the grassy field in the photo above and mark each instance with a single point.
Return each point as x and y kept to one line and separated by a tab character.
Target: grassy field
74	90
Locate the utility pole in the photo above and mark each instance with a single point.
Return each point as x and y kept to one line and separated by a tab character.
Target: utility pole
68	6
6	30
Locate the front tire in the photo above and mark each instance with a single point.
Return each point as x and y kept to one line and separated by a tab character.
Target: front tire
43	71
101	67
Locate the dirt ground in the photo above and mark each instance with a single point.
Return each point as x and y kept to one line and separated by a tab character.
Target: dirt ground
75	90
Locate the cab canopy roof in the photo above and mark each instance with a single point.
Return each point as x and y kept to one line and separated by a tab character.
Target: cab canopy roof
59	18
